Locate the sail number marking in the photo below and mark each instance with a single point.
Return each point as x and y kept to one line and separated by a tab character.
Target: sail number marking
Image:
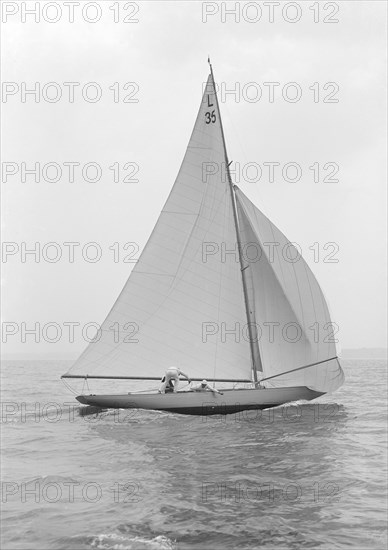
210	117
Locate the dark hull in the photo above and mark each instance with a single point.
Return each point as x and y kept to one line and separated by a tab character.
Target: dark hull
203	403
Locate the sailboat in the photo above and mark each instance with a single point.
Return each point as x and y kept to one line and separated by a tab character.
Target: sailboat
253	324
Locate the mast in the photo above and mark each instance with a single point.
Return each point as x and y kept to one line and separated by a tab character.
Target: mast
255	364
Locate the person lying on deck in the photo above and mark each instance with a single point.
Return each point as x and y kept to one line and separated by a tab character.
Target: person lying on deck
171	378
204	386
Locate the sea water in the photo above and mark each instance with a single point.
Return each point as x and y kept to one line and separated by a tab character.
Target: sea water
307	475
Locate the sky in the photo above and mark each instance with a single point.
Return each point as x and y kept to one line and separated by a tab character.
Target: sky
148	61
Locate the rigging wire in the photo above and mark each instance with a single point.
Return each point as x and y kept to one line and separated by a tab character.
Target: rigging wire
69	387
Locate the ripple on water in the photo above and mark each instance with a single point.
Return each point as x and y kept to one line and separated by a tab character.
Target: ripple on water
116	541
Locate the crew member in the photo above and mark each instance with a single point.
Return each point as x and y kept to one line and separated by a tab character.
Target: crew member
204	386
172	377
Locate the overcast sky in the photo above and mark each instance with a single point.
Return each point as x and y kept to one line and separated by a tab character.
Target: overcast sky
164	56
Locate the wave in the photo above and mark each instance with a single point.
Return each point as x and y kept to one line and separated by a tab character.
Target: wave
114	541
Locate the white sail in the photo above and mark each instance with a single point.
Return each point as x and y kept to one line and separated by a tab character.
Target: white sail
181	293
293	322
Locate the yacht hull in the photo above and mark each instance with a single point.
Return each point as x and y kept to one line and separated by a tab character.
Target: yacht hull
203	403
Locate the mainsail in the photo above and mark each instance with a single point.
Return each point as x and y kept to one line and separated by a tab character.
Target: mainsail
293	322
183	292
